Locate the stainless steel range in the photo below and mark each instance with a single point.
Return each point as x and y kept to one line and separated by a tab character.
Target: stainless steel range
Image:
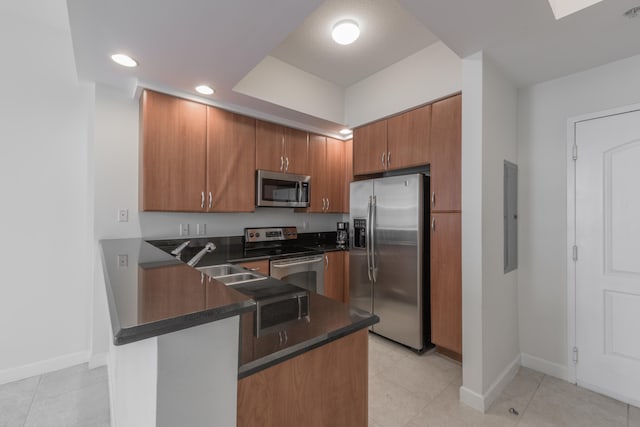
288	262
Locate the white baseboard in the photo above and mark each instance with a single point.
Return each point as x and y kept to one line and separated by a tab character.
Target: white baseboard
544	366
43	367
98	360
482	402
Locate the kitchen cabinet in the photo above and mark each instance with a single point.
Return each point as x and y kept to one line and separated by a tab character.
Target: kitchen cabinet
345	256
408	138
334	275
195	158
173	153
327	386
370	148
348	176
326	167
446	281
261	266
446	126
281	149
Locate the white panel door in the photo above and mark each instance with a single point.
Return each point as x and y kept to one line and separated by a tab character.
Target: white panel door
608	266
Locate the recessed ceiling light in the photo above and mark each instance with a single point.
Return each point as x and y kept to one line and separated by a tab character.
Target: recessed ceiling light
562	8
345	131
345	32
124	60
205	90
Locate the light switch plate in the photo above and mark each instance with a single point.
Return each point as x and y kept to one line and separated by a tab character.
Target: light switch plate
201	229
184	229
123	215
123	261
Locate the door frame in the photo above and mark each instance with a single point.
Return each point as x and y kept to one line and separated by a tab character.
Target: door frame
571	226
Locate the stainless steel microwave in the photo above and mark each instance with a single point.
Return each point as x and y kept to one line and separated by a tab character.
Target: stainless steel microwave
282	190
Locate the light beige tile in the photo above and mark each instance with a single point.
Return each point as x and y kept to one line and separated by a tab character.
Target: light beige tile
15	400
391	405
558	403
634	416
70	379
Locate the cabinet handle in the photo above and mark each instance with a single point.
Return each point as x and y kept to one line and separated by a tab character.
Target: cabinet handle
433	224
388	158
328	204
210	200
281	162
326	260
433	199
286	168
382	158
201	278
202	200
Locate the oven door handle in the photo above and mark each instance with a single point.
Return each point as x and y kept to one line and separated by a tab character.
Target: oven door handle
276	264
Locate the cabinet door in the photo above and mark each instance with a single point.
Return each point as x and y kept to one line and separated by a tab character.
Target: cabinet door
334	175
296	151
318	172
334	275
348	175
445	154
370	148
408	137
269	146
261	266
230	162
172	153
446	281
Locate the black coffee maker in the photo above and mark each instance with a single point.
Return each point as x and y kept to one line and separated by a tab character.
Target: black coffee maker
342	235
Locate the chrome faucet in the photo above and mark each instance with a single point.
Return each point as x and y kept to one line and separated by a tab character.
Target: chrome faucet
178	251
209	247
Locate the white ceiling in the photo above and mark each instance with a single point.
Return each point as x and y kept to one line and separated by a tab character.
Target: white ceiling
182	44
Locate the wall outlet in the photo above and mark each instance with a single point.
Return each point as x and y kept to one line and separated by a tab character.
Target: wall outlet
123	261
201	229
123	215
184	229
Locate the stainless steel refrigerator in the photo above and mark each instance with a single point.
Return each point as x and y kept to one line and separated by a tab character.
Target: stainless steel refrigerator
389	251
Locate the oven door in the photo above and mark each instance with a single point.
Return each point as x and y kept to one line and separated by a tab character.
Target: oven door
305	272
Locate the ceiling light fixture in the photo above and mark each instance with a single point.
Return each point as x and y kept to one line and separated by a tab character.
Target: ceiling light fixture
562	8
124	60
345	131
205	90
345	32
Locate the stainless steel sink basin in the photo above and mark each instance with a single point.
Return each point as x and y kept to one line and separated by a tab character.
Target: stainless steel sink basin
222	270
230	274
234	279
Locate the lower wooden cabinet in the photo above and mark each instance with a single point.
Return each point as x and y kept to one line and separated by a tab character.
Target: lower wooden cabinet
446	281
334	275
327	386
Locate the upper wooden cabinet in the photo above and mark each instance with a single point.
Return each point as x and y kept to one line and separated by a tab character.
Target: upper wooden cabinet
173	153
281	149
370	148
326	167
231	163
195	158
446	122
408	138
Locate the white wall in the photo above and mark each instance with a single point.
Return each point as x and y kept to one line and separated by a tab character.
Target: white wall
489	297
427	75
45	297
543	110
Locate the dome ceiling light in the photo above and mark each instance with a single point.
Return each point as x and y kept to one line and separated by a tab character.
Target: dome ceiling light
204	89
345	32
124	60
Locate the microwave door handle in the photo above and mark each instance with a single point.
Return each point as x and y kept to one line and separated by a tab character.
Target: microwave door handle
299	185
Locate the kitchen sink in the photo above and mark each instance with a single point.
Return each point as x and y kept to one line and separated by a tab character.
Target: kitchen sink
230	274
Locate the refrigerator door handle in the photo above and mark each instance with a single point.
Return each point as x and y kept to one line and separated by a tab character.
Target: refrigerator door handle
368	242
374	269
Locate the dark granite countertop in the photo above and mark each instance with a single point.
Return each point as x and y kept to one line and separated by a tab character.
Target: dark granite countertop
156	294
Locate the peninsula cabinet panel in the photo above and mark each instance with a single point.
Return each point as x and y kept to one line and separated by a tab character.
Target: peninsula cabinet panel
348	175
281	149
334	175
446	281
172	153
370	148
334	275
326	386
230	162
408	137
446	122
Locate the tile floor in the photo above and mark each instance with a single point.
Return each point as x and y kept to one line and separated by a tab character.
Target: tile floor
405	390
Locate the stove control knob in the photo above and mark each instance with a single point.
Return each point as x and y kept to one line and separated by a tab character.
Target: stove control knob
257	234
251	235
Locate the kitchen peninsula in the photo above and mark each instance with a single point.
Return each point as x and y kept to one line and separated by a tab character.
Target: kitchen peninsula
185	346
